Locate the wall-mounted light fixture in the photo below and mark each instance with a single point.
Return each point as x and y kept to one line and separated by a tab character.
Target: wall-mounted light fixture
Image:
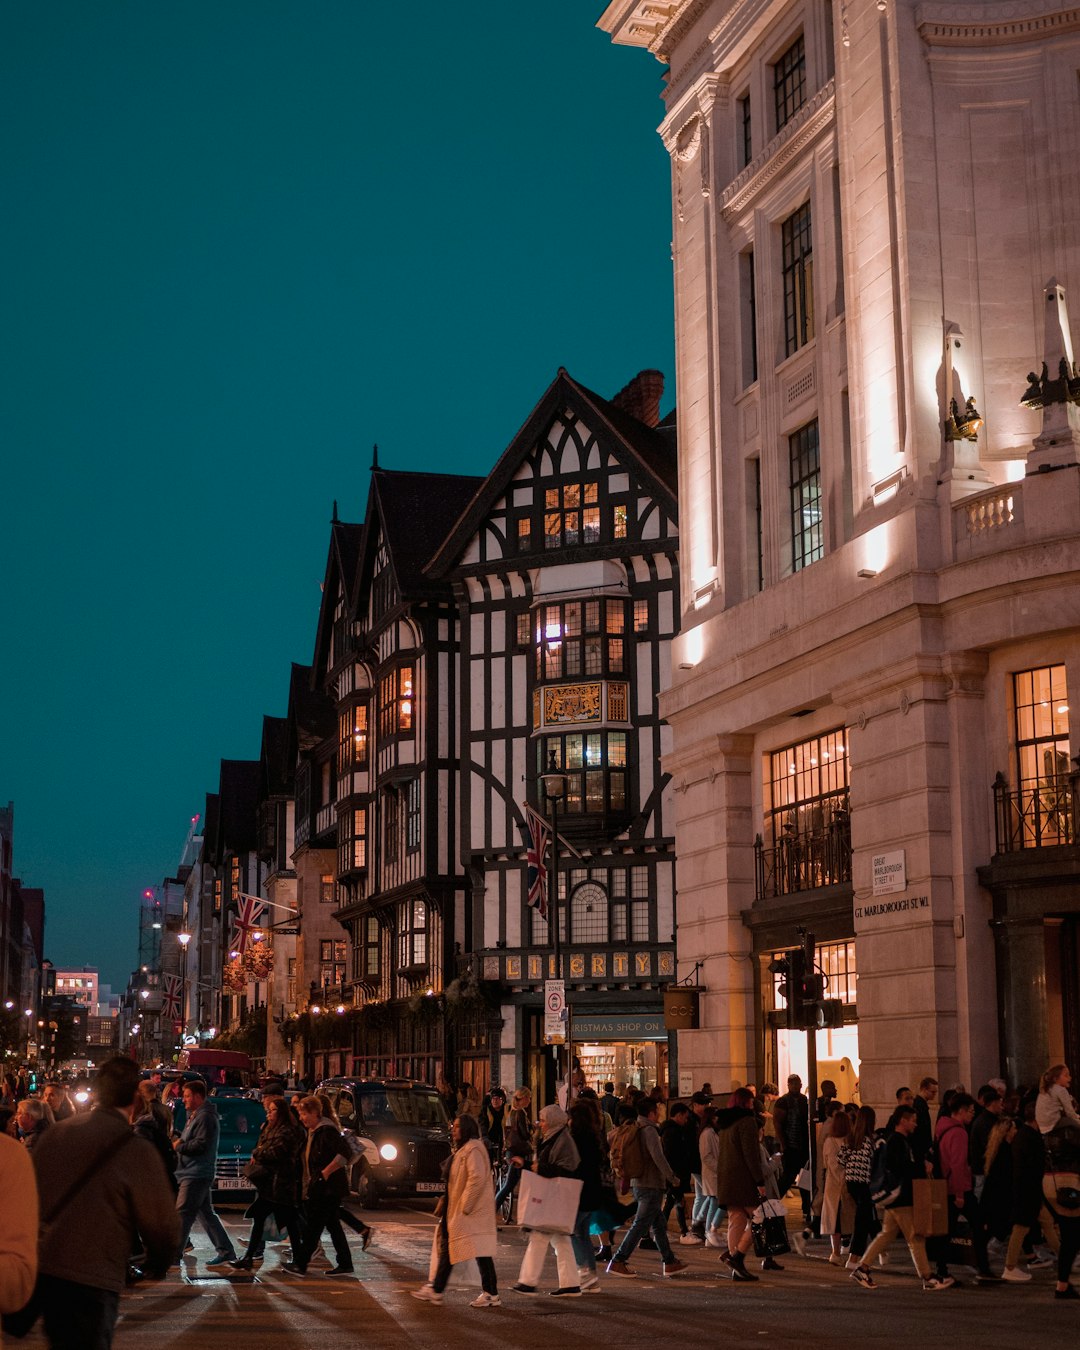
963	426
887	488
866	572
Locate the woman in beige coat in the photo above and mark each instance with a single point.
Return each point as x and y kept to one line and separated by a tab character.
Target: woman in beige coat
467	1226
18	1226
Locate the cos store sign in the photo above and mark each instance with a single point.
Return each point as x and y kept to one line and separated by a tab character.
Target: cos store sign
680	1009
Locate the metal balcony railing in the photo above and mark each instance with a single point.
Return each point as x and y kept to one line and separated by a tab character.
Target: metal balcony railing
1042	815
804	861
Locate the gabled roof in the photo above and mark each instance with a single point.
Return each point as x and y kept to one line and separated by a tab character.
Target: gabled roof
238	794
275	769
341	569
211	814
414	512
312	716
649	451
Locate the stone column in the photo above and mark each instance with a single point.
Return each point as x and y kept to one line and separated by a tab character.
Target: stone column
1021	970
970	826
714	884
898	741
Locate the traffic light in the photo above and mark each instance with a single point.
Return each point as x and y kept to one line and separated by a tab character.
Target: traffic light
791	967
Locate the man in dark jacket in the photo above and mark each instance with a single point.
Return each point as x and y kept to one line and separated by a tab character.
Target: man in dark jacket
987	1115
791	1116
923	1137
678	1136
121	1188
325	1185
899	1215
196	1152
493	1115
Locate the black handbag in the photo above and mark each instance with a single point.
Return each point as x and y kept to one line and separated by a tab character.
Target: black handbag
22	1321
769	1234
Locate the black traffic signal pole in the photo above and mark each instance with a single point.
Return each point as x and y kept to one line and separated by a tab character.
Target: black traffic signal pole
811	1063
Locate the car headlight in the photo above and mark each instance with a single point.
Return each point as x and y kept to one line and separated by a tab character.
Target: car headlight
388	1152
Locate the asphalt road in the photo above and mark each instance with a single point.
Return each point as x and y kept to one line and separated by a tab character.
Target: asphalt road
810	1304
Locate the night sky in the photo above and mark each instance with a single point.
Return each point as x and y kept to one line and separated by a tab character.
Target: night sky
242	240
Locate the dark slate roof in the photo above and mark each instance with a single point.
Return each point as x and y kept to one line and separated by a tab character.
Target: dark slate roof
342	560
312	715
238	791
211	816
275	769
417	511
649	450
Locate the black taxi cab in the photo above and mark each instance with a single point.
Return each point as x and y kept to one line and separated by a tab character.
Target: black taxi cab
402	1131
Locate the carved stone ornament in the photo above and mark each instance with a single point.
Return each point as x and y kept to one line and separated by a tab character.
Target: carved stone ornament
688	140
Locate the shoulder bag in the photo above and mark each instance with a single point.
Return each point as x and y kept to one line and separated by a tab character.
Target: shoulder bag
21	1322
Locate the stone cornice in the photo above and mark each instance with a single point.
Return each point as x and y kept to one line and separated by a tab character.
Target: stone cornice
983	25
780	152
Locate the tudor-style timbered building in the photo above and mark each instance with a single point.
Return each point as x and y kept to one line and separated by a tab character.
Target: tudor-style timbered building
566	572
387	653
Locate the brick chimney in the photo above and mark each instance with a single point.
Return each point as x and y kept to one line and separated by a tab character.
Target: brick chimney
641	397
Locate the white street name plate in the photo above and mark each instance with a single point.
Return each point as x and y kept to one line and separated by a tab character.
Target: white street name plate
890	872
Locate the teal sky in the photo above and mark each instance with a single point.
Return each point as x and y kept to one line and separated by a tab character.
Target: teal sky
242	240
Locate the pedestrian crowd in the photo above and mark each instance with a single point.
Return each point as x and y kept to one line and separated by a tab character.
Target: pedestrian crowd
98	1199
990	1178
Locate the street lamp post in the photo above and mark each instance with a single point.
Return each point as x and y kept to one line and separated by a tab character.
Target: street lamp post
183	938
29	1013
555	784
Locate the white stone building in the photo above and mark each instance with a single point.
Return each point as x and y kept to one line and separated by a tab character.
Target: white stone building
880	615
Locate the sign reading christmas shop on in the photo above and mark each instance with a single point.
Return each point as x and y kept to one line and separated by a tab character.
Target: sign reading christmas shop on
890	872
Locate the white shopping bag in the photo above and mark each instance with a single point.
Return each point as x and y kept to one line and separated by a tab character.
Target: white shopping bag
769	1209
548	1204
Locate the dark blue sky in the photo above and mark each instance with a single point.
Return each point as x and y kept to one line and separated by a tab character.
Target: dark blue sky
241	241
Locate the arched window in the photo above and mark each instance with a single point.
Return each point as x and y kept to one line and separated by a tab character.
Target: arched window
589	913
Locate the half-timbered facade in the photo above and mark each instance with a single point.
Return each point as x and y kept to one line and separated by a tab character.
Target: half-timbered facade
387	651
565	571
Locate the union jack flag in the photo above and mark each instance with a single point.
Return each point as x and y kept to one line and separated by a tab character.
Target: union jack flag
171	993
249	908
538	834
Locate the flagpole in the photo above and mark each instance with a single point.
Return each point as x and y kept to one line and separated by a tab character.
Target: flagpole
555	785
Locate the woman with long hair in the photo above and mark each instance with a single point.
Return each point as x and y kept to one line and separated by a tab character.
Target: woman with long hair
587	1133
518	1136
837	1130
995	1201
856	1158
275	1173
1054	1107
713	1217
740	1180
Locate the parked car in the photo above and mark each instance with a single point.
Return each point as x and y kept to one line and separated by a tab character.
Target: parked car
240	1120
402	1131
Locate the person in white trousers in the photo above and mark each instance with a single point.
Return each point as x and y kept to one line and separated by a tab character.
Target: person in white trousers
557	1156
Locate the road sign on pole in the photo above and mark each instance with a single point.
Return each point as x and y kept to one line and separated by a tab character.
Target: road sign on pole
554	1012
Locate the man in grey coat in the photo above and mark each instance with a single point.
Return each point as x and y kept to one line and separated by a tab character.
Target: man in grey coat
649	1188
120	1188
197	1152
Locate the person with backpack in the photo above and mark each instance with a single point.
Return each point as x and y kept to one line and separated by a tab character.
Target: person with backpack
638	1155
895	1168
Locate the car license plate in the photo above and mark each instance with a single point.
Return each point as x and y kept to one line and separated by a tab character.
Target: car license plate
430	1186
233	1183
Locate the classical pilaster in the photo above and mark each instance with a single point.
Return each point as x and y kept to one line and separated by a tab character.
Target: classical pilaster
714	883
